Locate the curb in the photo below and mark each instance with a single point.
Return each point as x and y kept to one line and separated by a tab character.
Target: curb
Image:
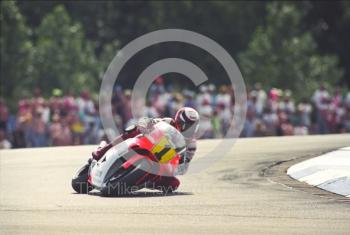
330	171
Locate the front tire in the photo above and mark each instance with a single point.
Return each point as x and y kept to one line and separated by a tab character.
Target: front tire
80	182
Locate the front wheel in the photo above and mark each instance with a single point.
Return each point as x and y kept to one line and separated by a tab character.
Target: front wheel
127	181
80	182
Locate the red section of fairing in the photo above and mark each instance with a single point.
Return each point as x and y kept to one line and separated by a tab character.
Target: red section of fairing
132	161
144	143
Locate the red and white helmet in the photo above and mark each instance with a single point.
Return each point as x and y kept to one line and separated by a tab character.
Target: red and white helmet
187	121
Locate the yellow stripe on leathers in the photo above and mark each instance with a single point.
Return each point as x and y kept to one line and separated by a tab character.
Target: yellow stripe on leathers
164	148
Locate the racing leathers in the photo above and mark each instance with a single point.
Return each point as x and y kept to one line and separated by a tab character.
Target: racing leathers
144	125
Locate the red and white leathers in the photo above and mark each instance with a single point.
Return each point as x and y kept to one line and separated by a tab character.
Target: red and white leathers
144	125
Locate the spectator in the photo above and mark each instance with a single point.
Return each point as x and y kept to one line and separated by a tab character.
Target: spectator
38	131
45	110
270	120
250	125
4	114
86	108
149	110
204	96
304	110
216	124
189	101
273	100
340	113
261	98
347	100
65	120
347	120
60	132
223	102
55	100
285	127
287	105
337	98
126	104
175	104
205	126
4	143
320	96
38	99
251	104
158	86
76	126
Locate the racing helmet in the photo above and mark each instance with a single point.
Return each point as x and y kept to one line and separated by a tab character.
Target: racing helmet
187	121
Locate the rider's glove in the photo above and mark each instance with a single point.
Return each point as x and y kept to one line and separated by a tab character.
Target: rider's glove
185	158
188	154
184	163
182	169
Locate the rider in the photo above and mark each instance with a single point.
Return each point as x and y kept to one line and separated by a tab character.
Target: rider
186	121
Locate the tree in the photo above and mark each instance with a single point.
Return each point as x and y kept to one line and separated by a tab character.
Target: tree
229	23
63	58
16	52
329	23
280	54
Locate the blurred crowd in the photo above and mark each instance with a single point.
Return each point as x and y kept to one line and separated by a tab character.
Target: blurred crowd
67	119
57	121
276	113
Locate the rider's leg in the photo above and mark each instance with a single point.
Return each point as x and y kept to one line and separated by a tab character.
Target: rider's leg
165	183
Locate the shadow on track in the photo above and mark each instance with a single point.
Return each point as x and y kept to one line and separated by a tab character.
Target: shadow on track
141	194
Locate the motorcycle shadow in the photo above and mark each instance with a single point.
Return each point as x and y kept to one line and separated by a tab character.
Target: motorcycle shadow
141	194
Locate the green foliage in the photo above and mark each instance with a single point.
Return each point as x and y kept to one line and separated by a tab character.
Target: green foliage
108	52
16	52
63	58
69	44
280	54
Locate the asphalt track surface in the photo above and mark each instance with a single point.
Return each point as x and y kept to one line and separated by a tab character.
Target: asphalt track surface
234	196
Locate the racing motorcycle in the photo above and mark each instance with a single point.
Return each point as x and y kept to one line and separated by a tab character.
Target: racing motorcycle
133	164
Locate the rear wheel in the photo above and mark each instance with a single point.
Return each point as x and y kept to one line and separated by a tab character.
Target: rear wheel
80	180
